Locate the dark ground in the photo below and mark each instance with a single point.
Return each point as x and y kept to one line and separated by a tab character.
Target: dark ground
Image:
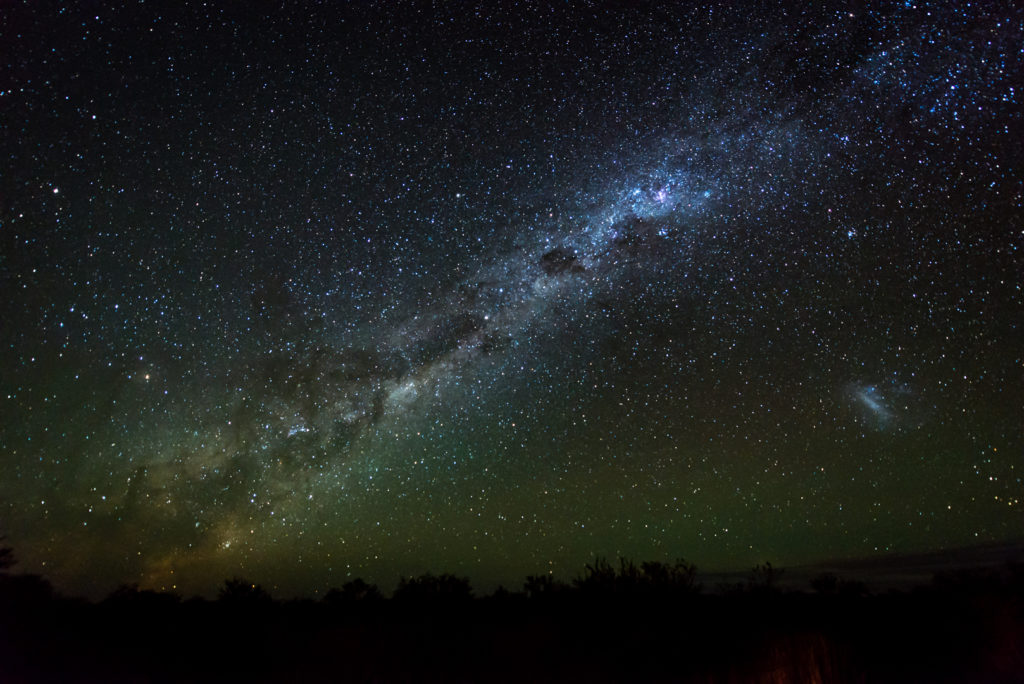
966	627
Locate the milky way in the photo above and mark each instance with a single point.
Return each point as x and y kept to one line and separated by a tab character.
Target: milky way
367	291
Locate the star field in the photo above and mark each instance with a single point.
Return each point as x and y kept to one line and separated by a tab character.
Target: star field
330	291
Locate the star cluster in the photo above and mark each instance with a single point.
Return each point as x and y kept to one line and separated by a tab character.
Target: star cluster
376	289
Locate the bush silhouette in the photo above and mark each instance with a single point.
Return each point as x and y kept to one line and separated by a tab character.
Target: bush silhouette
132	595
598	577
239	592
24	592
680	577
649	578
354	591
543	586
764	579
7	559
431	588
826	584
503	595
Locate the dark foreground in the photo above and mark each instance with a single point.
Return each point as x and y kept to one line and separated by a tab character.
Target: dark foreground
967	628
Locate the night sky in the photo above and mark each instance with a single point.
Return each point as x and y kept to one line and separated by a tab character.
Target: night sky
313	292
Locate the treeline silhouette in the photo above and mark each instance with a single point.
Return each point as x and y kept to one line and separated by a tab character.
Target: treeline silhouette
651	621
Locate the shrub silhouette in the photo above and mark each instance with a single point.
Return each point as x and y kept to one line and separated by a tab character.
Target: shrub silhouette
21	592
680	577
24	592
826	584
132	595
598	577
649	578
503	595
239	592
430	588
764	579
852	588
354	591
7	559
543	587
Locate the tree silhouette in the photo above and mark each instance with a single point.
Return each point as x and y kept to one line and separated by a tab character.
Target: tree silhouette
239	592
132	595
764	578
502	595
852	588
543	586
598	577
7	559
826	584
25	590
19	593
678	578
429	587
649	578
353	591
